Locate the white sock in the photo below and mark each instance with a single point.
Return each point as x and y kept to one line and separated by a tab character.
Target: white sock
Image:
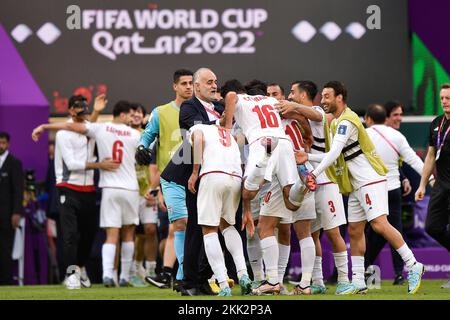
254	252
296	194
108	255
317	276
150	266
283	260
270	254
358	269
233	242
341	263
308	254
407	255
126	259
134	268
215	256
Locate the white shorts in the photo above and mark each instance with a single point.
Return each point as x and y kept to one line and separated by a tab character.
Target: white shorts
272	204
218	197
119	207
368	202
281	163
329	208
307	210
147	214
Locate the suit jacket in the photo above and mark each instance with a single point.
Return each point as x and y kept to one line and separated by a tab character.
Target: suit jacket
192	112
11	187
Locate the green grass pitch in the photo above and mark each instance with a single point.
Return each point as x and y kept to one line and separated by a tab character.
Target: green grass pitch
430	290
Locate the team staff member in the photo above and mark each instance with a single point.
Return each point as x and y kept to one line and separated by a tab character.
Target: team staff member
203	108
438	155
11	198
74	164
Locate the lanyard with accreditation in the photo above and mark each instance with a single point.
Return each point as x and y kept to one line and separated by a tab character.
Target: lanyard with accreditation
439	144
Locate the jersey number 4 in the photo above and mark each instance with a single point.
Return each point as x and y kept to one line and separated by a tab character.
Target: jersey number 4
117	153
266	116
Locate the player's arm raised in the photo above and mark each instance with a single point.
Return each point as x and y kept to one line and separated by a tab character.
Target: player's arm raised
230	107
288	109
197	149
99	106
75	127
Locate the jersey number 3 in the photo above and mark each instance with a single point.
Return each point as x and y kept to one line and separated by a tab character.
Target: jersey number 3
266	116
117	152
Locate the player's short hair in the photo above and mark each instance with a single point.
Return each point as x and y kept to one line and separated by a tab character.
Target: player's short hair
77	101
390	106
274	84
5	135
308	86
377	113
232	85
256	87
181	72
338	87
445	86
121	106
137	106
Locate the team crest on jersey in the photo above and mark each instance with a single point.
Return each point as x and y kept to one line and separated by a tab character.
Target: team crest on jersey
342	129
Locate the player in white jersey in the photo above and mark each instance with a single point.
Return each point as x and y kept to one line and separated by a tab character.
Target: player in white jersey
328	201
273	205
120	197
393	148
270	155
366	181
216	150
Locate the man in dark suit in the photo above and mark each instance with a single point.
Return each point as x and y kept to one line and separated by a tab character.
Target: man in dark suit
203	108
11	197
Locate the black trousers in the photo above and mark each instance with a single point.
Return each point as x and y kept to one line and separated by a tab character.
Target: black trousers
195	264
376	242
437	222
6	244
78	225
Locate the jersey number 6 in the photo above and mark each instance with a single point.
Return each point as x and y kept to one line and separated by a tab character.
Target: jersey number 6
117	153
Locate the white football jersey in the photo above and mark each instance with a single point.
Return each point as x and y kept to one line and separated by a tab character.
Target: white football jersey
292	130
318	132
257	117
361	171
221	152
119	142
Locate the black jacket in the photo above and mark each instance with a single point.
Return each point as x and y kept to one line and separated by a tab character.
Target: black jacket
191	112
11	187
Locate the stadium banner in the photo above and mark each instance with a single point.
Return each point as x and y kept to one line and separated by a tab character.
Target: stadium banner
131	49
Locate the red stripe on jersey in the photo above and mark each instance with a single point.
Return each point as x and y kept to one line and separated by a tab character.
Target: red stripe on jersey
375	182
230	174
76	187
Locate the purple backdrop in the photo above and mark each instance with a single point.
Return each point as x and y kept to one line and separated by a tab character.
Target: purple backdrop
429	19
22	107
